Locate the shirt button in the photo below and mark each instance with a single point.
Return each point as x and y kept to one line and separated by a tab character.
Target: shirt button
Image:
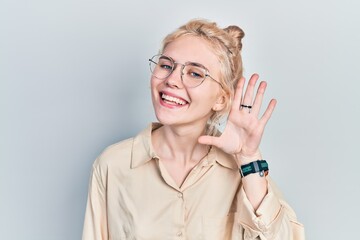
179	234
180	195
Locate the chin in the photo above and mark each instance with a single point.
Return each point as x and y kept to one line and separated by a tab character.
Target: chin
166	118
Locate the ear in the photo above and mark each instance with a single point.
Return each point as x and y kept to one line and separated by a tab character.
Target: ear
220	103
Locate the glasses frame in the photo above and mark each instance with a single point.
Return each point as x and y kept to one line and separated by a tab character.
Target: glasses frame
183	65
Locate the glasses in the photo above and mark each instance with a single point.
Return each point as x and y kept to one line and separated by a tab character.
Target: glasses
192	74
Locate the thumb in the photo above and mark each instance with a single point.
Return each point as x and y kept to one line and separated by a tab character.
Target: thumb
209	140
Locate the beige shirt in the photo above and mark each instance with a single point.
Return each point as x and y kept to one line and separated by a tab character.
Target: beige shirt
132	196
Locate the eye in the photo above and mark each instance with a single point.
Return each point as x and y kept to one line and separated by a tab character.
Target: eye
194	72
195	75
165	66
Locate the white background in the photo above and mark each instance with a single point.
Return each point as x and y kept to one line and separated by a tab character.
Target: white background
74	79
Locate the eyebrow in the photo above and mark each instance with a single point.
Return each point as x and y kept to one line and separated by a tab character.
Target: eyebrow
188	62
197	64
166	57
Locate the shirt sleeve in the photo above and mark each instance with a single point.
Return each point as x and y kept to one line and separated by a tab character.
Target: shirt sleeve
273	220
95	223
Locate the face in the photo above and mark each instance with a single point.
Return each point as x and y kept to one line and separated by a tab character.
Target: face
176	104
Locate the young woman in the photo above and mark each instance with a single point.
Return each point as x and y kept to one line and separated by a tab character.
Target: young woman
181	178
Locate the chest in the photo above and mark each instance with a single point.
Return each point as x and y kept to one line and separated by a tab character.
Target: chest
147	203
178	172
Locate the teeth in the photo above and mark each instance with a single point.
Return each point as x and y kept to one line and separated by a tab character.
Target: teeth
173	99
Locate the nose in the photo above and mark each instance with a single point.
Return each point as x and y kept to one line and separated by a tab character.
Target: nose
174	80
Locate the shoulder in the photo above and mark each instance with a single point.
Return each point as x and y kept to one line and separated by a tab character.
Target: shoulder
117	154
119	158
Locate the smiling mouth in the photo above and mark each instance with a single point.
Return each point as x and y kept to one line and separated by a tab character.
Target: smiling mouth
172	100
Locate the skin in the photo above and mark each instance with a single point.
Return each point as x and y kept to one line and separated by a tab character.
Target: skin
180	143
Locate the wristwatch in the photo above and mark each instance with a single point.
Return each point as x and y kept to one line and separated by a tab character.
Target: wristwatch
259	166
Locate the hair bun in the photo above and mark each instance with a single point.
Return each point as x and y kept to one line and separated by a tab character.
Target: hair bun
236	33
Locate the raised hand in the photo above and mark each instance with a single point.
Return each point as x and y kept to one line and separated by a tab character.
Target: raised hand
244	129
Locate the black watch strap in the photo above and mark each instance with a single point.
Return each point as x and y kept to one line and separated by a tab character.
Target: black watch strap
259	166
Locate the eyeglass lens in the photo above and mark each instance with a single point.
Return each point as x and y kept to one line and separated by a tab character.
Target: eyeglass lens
192	74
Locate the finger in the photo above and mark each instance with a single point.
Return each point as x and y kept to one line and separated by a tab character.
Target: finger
248	97
210	140
259	98
269	110
238	94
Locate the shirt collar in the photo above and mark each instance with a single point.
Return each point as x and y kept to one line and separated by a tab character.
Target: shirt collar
224	159
143	152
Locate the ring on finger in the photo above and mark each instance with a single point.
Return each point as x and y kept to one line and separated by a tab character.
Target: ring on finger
246	106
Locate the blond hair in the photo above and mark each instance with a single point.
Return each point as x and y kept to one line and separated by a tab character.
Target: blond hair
226	43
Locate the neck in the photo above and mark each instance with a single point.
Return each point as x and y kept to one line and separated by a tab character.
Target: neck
179	143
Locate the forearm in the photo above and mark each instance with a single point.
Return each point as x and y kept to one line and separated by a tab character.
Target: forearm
255	188
273	219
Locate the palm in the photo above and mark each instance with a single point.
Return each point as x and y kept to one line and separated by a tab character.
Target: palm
244	129
241	133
